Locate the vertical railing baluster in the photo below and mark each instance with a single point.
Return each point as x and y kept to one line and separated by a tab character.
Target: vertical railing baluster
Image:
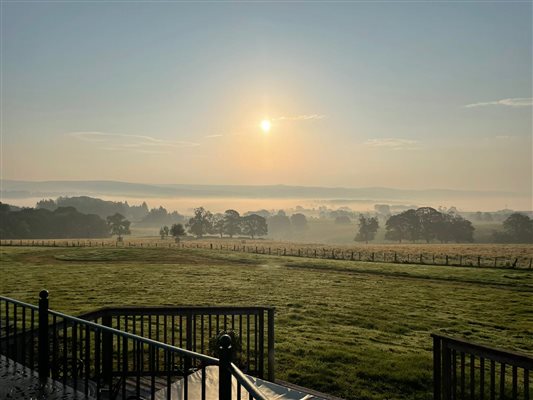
446	369
74	354
24	345
437	362
261	344
124	365
32	347
481	378
97	349
169	373
65	353
151	358
526	384
463	375
44	344
502	381
472	377
87	361
54	348
515	382
271	354
492	380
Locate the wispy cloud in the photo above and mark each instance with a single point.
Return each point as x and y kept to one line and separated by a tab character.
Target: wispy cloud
304	117
394	143
213	136
514	102
134	143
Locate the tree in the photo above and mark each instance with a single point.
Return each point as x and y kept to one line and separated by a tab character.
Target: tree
461	230
430	222
400	226
299	221
518	228
368	226
118	225
163	232
254	225
232	223
217	224
201	223
177	231
279	225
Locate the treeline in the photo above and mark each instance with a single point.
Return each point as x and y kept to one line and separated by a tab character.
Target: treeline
429	225
63	222
230	223
140	215
424	223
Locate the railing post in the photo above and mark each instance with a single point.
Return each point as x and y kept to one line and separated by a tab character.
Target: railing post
224	374
107	352
446	370
44	344
271	362
437	383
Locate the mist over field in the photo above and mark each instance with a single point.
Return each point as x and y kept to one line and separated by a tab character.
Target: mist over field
218	198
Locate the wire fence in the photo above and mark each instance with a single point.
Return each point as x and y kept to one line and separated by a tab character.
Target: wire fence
329	253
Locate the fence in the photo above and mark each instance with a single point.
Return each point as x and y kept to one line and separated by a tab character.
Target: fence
108	363
457	260
194	328
465	370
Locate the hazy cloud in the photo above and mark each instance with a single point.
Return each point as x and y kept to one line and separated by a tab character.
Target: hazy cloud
135	143
394	143
213	136
514	102
304	117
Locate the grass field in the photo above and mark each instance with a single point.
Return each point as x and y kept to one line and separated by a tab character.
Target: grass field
356	330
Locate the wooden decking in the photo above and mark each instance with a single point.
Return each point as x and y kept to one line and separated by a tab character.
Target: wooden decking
19	382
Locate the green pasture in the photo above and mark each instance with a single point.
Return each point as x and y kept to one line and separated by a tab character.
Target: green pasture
355	330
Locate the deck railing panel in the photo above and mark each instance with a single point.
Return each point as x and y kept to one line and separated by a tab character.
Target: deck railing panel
466	370
196	327
103	362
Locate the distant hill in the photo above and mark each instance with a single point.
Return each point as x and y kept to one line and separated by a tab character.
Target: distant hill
51	189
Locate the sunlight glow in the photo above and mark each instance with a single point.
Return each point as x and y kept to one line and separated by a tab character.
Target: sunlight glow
266	125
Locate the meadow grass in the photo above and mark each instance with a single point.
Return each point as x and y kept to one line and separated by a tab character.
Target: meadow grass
356	330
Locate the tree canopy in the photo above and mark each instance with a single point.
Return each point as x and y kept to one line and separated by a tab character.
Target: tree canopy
118	225
428	224
368	226
201	223
62	223
254	225
517	228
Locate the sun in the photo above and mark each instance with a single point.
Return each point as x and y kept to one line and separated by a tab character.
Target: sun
265	125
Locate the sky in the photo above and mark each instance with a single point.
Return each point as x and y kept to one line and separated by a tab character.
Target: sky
398	94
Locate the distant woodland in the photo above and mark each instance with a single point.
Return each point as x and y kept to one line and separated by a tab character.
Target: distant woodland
88	217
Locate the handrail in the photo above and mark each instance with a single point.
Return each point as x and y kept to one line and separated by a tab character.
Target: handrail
226	369
519	359
20	303
246	383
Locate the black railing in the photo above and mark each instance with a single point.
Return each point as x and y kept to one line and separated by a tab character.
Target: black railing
465	370
194	328
107	363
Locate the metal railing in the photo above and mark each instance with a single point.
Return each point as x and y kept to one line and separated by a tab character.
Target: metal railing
466	370
194	328
103	362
